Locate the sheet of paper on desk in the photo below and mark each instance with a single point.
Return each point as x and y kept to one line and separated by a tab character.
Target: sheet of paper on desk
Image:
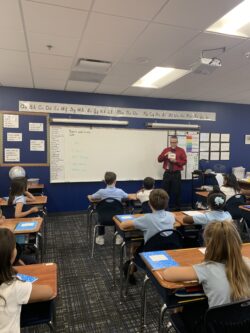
192	212
202	250
158	257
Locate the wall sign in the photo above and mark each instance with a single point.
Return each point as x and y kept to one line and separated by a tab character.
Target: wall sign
92	110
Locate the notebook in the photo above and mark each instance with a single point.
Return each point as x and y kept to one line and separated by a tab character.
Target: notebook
190	292
247	206
26	226
123	218
26	278
192	212
159	259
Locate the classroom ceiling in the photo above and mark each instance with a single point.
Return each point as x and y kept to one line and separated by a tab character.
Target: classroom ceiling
134	36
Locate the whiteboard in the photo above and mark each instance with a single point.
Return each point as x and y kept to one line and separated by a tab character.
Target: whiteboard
82	154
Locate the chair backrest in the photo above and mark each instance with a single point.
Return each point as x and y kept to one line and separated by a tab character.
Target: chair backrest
232	205
146	208
8	211
161	241
107	208
229	318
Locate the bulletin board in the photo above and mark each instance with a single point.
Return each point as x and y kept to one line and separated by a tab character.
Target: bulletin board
24	139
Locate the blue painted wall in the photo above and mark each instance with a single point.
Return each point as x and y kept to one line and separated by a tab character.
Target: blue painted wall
230	118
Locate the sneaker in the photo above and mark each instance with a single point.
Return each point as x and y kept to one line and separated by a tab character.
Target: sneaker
99	240
118	240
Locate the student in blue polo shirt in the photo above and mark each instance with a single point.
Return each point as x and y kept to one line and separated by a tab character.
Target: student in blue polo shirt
109	192
216	202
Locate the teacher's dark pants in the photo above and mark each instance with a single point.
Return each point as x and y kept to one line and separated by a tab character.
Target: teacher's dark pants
172	184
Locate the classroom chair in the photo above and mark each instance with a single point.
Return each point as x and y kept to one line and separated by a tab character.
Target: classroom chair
157	242
232	206
146	208
105	210
229	318
38	314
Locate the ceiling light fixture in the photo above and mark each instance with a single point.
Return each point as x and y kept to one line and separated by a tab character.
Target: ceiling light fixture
235	22
159	77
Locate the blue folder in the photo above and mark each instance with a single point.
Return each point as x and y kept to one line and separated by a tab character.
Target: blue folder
26	278
123	218
247	206
159	259
27	226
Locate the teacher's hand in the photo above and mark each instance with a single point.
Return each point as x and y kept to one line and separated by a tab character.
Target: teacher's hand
172	160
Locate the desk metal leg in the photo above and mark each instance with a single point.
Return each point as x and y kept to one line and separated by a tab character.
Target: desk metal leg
143	304
161	318
121	269
113	251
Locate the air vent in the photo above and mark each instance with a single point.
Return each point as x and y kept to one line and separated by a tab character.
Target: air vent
90	70
93	66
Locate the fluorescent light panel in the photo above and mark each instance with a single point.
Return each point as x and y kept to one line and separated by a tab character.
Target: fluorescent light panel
235	23
159	77
173	126
89	121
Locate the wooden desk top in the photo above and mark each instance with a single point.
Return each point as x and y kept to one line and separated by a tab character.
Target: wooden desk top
178	220
11	224
187	257
46	274
35	186
203	194
39	200
245	208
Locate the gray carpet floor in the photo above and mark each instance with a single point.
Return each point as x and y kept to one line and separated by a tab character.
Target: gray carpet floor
87	300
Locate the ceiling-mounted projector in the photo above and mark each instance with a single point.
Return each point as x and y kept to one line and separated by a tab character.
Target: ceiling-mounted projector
206	65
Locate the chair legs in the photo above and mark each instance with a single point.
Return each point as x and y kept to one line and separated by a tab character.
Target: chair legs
143	304
121	270
161	317
131	265
93	240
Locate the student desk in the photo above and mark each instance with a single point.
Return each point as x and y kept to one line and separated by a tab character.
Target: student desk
185	257
12	223
36	189
203	194
132	235
39	200
31	313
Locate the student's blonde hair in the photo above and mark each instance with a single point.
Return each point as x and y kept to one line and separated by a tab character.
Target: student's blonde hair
223	245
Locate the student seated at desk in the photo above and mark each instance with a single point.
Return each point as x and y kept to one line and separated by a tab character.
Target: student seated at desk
224	274
152	223
216	202
148	186
19	196
13	292
109	192
231	186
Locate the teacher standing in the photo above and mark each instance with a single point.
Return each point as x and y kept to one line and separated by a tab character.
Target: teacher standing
173	158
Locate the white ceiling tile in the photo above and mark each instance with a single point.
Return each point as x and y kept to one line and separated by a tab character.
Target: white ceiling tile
111	89
12	40
60	45
195	14
91	49
50	61
81	86
76	4
49	84
112	29
44	73
140	9
54	20
10	17
135	91
158	42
